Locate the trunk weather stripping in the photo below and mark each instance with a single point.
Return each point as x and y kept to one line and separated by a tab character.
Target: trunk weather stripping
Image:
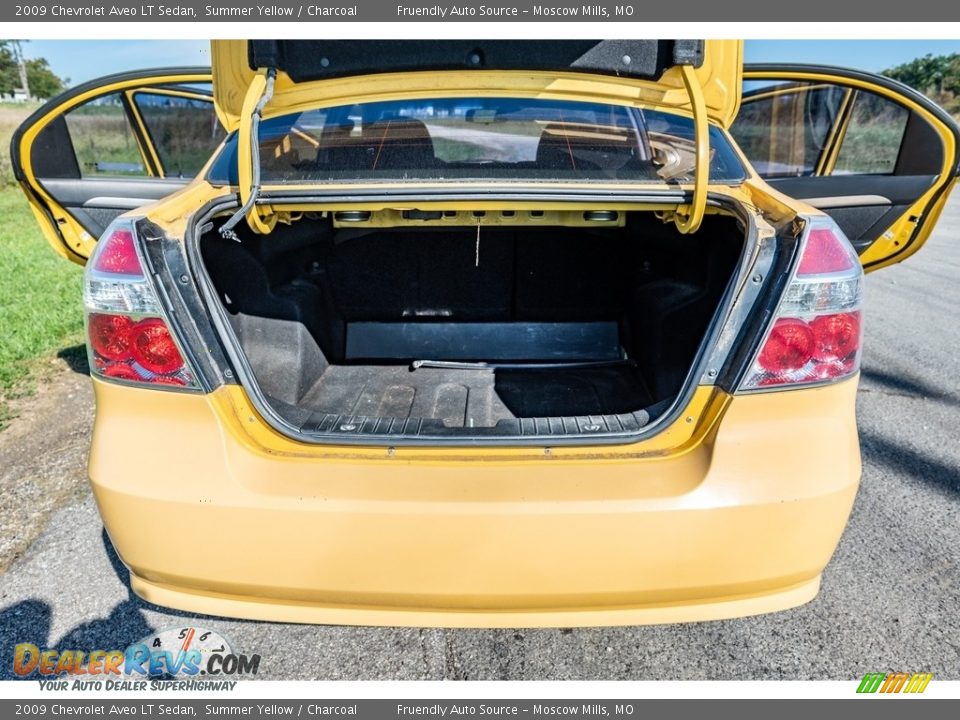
749	284
250	132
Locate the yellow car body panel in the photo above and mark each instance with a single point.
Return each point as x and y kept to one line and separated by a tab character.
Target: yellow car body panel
719	75
236	523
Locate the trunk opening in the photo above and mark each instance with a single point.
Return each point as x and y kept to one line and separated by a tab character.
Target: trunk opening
411	326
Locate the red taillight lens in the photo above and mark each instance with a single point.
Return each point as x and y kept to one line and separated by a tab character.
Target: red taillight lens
789	346
797	351
120	371
110	336
825	253
142	351
169	380
153	347
836	337
119	254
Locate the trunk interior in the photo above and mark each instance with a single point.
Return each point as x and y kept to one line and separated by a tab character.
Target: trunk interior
526	325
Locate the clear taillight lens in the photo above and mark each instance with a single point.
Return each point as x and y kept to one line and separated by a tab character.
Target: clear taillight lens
128	336
816	334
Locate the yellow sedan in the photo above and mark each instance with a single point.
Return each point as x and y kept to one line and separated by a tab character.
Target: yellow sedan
498	333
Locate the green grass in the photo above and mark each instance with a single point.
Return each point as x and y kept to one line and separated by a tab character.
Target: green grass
11	115
40	301
40	292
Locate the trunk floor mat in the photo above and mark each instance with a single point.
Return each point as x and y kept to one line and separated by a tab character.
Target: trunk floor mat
476	398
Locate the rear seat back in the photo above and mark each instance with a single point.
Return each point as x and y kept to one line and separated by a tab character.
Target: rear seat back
393	144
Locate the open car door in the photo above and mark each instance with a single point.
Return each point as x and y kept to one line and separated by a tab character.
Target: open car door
112	145
876	155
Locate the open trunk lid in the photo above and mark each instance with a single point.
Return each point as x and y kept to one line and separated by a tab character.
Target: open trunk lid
263	79
647	71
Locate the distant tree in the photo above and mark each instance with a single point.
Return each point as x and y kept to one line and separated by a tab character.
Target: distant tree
937	76
9	76
44	83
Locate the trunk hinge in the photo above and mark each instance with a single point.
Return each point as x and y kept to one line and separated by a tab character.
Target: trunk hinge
248	157
688	217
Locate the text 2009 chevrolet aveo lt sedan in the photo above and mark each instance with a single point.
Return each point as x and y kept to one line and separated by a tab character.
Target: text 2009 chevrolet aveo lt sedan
480	333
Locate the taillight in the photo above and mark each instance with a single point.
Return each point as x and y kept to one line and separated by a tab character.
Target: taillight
119	254
129	338
816	334
154	348
110	336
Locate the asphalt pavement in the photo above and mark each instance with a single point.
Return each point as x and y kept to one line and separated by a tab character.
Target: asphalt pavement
890	598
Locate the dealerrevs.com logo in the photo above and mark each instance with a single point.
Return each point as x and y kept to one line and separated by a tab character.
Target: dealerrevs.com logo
898	682
174	654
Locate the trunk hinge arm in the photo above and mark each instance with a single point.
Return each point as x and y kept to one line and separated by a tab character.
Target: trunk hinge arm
689	217
248	157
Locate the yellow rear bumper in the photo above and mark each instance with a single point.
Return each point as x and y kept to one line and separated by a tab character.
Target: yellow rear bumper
741	523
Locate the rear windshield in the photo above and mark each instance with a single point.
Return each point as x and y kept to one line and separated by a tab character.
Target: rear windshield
479	139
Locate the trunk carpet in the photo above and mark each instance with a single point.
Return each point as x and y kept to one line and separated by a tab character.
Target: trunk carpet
476	398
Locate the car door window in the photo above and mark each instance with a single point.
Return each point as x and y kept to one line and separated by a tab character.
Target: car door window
784	127
797	129
103	141
873	136
184	130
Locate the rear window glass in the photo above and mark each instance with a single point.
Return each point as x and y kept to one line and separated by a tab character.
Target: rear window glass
497	139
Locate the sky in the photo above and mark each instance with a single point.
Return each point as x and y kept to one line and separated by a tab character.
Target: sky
81	60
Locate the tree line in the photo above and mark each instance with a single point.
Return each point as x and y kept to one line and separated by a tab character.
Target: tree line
936	76
41	80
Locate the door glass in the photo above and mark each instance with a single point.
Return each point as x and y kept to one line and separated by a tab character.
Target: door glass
873	138
783	127
184	131
103	139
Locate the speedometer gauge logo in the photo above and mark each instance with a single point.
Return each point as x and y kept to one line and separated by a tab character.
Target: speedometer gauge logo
189	650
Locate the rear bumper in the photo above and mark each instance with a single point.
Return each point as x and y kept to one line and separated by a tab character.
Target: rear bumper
741	523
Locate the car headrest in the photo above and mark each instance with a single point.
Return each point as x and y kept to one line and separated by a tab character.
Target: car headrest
403	143
580	146
392	144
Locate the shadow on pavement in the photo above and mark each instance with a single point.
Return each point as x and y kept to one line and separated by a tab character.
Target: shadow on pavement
75	357
907	386
903	459
29	621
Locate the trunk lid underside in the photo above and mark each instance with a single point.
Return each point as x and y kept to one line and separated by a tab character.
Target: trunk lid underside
633	70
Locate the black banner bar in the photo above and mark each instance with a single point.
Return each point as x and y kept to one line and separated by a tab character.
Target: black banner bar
474	11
